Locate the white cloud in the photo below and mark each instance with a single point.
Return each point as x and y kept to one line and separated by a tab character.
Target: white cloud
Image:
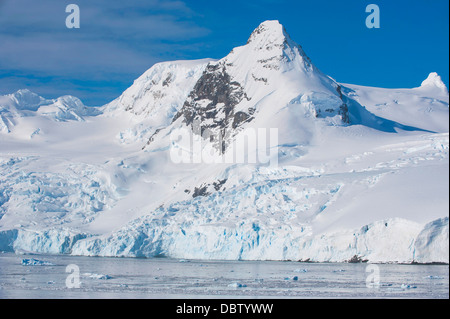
117	40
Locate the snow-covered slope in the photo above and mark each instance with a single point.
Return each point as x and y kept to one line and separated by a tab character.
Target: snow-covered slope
155	97
17	107
360	173
422	108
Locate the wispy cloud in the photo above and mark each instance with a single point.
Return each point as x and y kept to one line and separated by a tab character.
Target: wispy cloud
117	41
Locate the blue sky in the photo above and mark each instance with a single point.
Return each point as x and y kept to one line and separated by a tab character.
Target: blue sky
119	40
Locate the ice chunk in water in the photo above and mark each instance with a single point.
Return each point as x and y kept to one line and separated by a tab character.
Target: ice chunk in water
35	262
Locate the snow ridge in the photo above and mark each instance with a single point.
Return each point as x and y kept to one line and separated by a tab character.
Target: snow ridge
435	80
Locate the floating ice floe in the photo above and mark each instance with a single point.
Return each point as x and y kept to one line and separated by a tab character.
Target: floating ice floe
301	270
35	262
434	277
98	276
406	286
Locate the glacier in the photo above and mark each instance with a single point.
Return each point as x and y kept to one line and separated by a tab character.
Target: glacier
361	176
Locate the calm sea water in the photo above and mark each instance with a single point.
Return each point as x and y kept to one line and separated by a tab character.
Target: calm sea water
56	276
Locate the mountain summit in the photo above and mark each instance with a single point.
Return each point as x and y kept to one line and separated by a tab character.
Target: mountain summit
434	81
264	76
271	36
270	30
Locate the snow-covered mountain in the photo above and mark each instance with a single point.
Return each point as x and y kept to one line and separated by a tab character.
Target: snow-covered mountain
260	83
155	97
351	172
24	103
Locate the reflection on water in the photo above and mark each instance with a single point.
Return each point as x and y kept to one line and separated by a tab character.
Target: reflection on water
26	276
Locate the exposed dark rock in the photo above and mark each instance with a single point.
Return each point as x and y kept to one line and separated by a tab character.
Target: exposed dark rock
152	138
200	191
168	80
214	98
307	260
239	118
356	259
259	79
343	109
219	184
206	189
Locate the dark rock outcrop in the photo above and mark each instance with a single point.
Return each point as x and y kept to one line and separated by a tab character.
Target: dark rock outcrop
211	105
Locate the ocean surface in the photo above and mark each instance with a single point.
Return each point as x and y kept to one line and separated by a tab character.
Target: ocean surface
60	277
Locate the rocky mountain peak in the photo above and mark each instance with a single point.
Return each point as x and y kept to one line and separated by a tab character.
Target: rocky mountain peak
269	31
232	91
